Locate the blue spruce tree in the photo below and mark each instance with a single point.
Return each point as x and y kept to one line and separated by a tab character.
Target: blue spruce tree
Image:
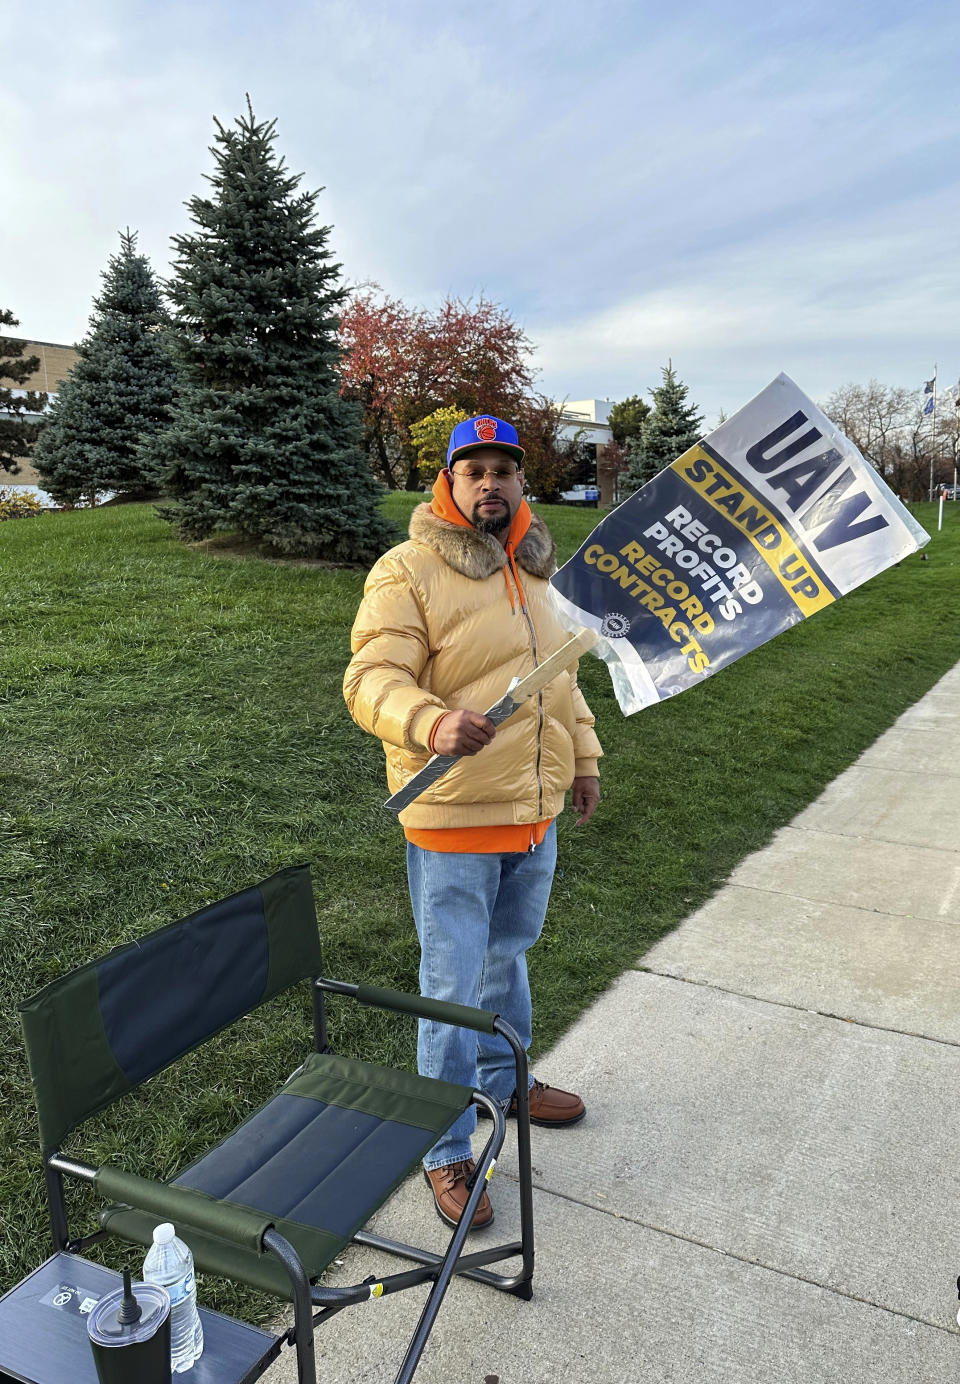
665	433
261	441
117	395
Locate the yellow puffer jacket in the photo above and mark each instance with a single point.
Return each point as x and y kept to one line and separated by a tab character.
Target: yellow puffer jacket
437	631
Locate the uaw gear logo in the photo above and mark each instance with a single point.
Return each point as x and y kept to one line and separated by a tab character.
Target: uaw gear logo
486	429
615	625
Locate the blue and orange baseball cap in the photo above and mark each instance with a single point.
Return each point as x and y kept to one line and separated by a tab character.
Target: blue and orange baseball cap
484	431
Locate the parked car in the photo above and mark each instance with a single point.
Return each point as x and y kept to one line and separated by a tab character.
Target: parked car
581	495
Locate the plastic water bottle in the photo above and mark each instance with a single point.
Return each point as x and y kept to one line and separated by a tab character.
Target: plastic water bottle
170	1263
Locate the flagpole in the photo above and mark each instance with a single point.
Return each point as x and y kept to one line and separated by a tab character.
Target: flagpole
933	438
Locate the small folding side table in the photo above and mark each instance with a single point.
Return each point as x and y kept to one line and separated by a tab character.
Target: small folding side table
43	1331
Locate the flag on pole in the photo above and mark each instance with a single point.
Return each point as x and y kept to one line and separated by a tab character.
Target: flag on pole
928	388
771	518
929	406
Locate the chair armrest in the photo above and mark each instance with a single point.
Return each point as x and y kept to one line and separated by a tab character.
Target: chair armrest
461	1015
185	1207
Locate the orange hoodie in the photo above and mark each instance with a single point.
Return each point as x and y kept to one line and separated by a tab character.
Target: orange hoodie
480	840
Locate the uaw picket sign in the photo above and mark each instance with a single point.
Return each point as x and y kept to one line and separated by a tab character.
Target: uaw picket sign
768	520
763	523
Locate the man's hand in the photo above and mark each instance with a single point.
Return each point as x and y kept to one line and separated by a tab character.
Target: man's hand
463	732
585	795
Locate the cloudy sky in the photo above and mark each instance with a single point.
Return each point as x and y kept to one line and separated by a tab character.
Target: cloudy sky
742	187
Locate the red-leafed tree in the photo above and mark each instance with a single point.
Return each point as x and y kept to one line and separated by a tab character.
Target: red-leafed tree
613	460
402	363
546	465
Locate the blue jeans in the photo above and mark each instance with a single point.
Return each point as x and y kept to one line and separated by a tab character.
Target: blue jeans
476	916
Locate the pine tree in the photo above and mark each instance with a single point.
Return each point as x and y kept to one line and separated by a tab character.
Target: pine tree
17	435
262	441
625	419
665	434
118	393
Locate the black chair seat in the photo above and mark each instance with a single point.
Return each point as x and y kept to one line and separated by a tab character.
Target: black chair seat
318	1159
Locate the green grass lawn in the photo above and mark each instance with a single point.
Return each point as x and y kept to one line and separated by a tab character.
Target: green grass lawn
173	729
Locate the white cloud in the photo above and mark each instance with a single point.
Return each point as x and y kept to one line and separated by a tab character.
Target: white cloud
746	189
842	301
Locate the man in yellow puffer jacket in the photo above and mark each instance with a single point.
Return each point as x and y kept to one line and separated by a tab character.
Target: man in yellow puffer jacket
447	619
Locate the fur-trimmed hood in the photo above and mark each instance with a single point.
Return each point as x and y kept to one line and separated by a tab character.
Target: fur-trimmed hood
479	555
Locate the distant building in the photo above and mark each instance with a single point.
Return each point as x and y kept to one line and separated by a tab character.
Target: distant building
56	362
585	421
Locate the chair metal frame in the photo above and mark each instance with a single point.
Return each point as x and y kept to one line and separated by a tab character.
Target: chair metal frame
437	1269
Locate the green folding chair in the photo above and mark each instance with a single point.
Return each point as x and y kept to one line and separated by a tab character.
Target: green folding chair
275	1201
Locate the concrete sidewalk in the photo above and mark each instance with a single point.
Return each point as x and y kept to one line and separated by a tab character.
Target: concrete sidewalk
767	1184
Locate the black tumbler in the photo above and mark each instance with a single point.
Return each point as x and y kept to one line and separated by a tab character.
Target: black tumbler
129	1332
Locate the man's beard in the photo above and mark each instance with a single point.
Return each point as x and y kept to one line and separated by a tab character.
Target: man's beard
496	524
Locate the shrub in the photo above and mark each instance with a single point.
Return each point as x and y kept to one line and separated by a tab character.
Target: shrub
18	504
430	437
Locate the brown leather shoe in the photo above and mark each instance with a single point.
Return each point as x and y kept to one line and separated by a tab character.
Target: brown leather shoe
549	1106
450	1193
552	1107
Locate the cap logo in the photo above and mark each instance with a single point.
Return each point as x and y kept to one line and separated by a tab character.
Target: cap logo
486	429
